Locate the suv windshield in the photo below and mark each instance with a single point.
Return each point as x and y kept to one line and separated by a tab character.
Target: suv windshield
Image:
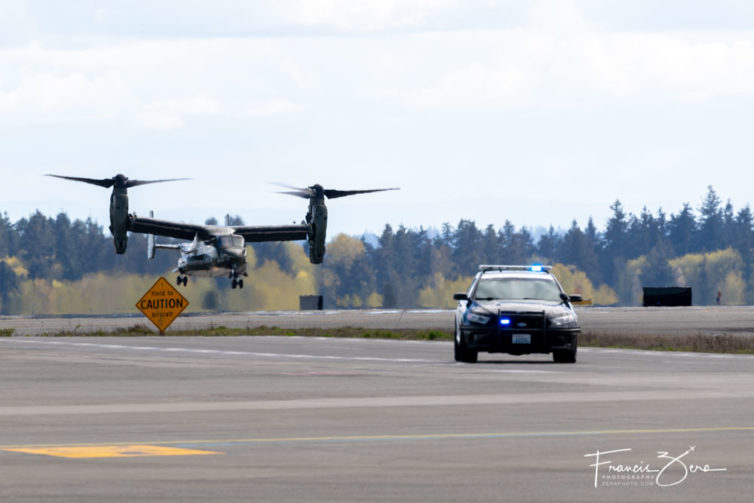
517	289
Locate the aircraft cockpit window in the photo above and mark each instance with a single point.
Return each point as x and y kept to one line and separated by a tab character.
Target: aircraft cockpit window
232	241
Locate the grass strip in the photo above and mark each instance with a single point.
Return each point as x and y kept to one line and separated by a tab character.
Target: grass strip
692	343
696	343
221	331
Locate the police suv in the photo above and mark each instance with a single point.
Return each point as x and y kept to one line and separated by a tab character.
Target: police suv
517	310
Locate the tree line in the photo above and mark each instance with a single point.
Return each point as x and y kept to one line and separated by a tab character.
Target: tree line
708	248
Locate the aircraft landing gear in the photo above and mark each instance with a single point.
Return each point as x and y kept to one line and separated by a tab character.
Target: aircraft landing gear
182	279
235	282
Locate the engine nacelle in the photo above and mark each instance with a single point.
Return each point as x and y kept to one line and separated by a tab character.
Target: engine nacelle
119	219
317	219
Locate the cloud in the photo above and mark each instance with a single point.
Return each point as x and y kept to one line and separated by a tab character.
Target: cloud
27	21
473	85
172	114
158	84
553	56
364	15
397	89
585	67
71	95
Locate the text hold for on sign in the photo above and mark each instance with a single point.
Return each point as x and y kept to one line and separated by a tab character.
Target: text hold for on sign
162	304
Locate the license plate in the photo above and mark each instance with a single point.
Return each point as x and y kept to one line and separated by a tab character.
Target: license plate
521	339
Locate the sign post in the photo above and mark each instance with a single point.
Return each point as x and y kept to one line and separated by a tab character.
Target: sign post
162	304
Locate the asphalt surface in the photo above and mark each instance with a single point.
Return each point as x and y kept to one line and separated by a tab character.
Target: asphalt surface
306	419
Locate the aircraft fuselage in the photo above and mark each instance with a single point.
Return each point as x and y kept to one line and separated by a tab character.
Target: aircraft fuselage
222	255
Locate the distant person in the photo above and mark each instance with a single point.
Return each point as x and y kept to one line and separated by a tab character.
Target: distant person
719	297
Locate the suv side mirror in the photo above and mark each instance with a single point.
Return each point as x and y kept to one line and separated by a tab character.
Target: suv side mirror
460	296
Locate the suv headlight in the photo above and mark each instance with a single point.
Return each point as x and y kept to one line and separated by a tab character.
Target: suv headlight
566	320
477	318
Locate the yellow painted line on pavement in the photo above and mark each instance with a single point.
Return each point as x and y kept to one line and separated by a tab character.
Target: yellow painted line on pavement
129	448
110	451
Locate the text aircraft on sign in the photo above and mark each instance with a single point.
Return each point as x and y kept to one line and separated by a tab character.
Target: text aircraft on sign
216	250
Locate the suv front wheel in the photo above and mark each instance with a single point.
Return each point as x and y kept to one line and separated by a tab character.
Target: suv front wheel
461	352
565	355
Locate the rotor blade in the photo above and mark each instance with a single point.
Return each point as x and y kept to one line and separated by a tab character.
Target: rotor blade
135	183
302	193
106	182
285	185
332	194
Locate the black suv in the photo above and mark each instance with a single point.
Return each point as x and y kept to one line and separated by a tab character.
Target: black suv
517	310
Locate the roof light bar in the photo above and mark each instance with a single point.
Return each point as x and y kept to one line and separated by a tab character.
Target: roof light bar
534	268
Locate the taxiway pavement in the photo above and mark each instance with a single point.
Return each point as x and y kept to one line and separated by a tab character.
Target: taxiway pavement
91	419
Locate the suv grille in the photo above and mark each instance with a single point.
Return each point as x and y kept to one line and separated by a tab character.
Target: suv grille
522	321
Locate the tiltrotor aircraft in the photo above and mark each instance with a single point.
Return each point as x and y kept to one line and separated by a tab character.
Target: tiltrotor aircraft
216	250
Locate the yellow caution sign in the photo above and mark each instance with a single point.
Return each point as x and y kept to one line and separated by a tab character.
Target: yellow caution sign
162	304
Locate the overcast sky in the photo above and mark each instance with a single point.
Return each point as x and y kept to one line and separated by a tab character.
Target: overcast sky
539	112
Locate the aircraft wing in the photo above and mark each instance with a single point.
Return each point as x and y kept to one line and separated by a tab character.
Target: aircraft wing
254	234
166	228
251	234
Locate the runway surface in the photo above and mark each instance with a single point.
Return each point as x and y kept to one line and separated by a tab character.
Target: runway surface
91	419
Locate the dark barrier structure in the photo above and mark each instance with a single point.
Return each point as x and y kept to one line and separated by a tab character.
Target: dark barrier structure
310	302
667	296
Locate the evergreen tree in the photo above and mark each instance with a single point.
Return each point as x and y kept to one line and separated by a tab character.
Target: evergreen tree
407	260
642	234
709	237
682	231
491	246
728	230
570	248
615	250
578	249
660	230
592	253
441	253
517	247
523	246
657	271
7	237
446	236
8	284
549	244
467	253
743	241
66	251
37	242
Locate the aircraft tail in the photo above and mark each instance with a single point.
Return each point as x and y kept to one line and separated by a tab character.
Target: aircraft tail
152	245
